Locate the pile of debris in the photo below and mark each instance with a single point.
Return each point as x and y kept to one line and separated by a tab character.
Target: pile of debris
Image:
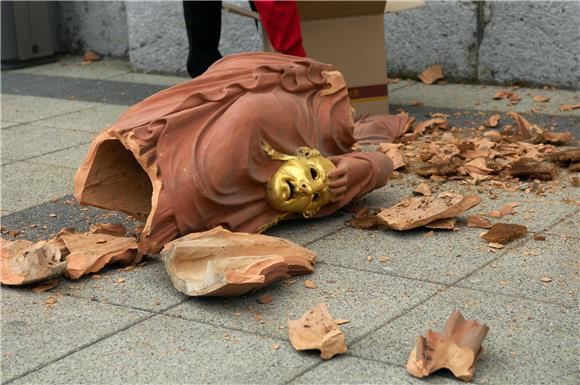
438	151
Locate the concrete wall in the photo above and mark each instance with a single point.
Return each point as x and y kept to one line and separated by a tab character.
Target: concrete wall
99	26
528	42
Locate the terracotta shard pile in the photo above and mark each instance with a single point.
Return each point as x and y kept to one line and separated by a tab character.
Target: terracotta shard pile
415	212
316	329
521	150
223	263
456	349
73	253
23	262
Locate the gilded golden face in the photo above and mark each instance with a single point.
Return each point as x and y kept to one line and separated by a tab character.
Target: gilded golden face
301	183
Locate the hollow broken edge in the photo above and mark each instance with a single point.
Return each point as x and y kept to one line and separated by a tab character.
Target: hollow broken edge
222	263
316	329
456	349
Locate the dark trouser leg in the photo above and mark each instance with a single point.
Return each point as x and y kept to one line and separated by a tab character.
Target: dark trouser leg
203	21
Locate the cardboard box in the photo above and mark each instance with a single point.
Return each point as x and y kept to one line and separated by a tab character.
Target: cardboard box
349	35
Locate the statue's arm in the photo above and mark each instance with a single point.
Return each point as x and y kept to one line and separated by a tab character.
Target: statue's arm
357	174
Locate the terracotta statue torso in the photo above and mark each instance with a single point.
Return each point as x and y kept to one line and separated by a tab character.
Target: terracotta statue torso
189	158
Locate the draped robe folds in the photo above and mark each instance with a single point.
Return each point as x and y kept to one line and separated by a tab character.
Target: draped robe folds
188	158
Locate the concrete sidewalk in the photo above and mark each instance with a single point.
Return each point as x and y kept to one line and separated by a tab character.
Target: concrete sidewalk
142	331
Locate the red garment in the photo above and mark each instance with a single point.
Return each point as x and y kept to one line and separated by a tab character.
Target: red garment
281	22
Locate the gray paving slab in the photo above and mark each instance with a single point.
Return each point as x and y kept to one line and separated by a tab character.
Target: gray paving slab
69	157
444	258
73	67
305	231
478	97
92	120
528	342
29	141
147	287
34	333
354	370
77	89
25	108
366	299
166	350
520	272
134	77
568	227
27	184
6	124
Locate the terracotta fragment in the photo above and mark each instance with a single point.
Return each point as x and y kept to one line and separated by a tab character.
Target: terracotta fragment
363	223
526	129
423	189
479	222
89	253
223	263
46	286
508	208
432	74
514	97
530	168
504	233
440	168
420	128
415	212
493	121
90	56
540	98
316	329
456	349
115	229
565	156
557	138
569	107
442	224
23	262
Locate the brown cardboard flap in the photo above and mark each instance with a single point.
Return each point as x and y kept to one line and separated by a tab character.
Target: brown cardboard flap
374	92
316	10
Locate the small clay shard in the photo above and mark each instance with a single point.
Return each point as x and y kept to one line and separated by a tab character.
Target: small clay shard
23	262
90	57
223	263
415	212
316	329
504	233
569	107
432	74
442	224
46	286
530	168
115	229
508	208
439	168
526	129
479	222
363	223
493	121
423	189
420	128
266	299
456	349
89	253
566	156
541	98
310	284
512	96
557	138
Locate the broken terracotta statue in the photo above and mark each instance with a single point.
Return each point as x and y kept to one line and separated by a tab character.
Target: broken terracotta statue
316	329
258	138
221	263
456	349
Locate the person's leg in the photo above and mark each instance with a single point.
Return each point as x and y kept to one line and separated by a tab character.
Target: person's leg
203	22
